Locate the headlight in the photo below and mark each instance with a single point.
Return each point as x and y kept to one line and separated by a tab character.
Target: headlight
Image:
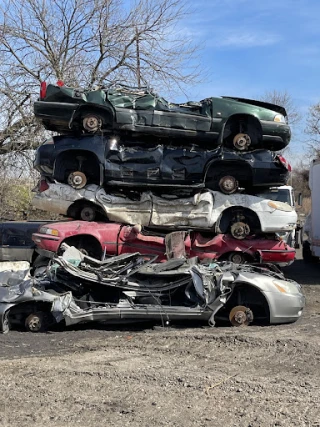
287	287
50	231
280	206
279	118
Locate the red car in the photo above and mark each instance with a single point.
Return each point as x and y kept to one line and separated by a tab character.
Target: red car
98	238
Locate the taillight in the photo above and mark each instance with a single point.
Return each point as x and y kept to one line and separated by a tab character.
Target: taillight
284	163
60	83
43	186
43	90
48	141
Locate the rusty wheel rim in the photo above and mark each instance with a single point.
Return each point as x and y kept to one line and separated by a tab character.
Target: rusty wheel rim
240	316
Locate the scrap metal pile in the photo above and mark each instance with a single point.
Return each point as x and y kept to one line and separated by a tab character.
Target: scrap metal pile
130	287
179	181
126	155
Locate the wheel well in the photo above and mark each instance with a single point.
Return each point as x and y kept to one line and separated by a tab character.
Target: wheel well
239	123
227	218
19	312
87	242
251	297
73	160
240	170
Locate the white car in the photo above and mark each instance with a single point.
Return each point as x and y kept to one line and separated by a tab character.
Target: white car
238	214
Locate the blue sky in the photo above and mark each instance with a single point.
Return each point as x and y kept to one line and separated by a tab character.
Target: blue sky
253	46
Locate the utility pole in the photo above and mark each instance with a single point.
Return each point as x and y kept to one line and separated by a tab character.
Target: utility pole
138	58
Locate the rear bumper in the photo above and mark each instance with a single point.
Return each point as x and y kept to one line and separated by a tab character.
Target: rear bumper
281	258
58	206
55	115
270	175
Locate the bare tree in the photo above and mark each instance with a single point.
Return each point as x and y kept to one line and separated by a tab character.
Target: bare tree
85	43
284	99
313	130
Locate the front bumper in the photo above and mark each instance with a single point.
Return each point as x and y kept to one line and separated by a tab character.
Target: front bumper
46	243
277	221
285	308
276	136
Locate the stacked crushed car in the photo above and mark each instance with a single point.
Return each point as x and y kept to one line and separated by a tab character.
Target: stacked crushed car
158	193
128	156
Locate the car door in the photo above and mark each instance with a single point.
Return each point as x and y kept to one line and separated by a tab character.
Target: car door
133	162
183	165
17	244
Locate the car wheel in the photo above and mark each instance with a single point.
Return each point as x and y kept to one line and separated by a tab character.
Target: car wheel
241	141
240	230
237	257
228	184
35	322
77	180
88	213
91	123
240	316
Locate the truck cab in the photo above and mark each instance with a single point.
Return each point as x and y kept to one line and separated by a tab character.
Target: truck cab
285	194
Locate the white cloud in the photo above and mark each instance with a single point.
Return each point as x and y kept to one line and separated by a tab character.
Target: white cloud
244	39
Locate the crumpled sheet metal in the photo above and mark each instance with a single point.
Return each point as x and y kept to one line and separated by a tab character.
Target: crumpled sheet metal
195	211
13	272
59	197
213	284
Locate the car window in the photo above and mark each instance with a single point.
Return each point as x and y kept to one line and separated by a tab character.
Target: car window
14	236
277	196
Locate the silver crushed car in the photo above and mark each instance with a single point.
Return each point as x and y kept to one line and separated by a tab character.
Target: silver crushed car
131	287
238	214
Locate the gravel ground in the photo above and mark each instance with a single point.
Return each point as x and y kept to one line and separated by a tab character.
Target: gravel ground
149	376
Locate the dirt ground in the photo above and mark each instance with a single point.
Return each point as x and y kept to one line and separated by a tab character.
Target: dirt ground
152	376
